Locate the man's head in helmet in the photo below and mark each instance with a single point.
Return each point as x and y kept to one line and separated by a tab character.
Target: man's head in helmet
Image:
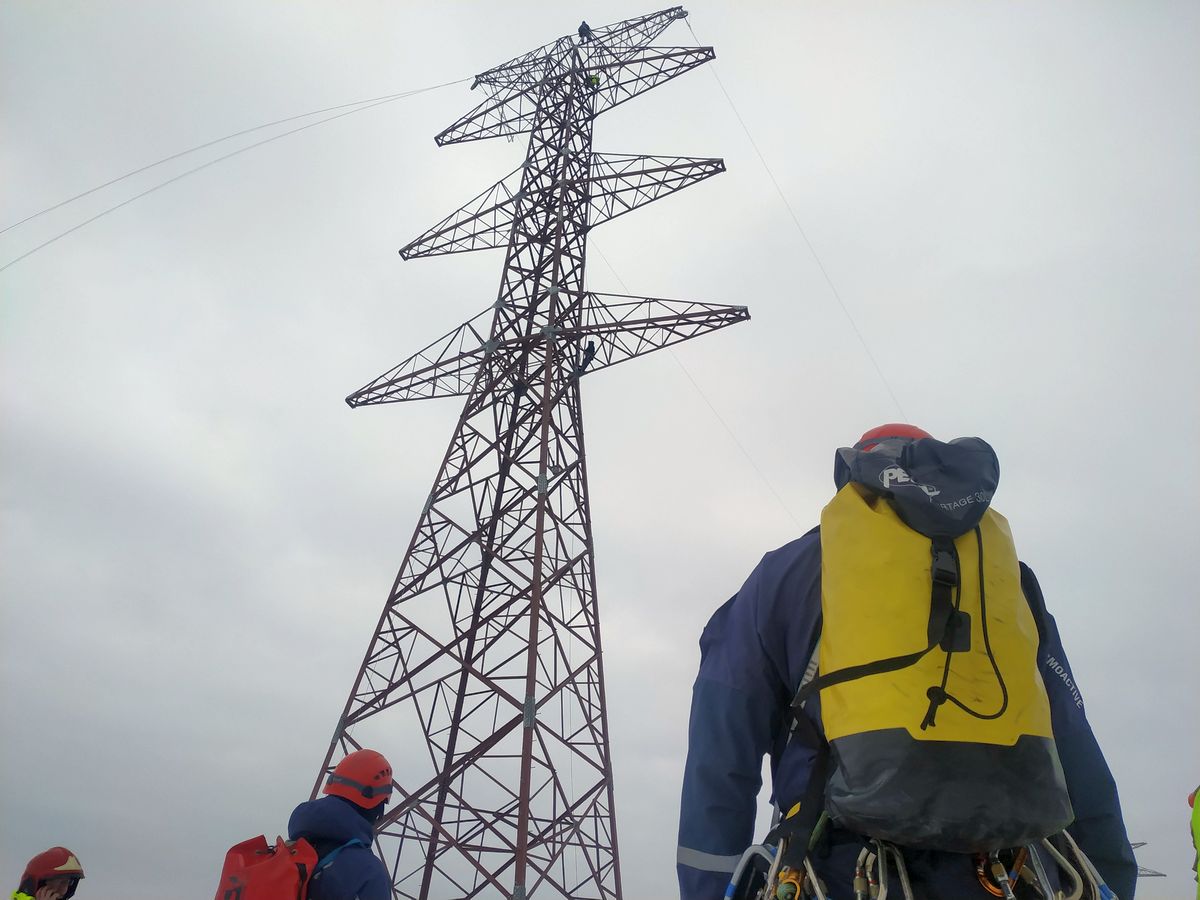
364	778
891	431
52	875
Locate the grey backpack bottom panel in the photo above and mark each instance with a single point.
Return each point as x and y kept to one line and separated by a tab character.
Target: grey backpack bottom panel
947	795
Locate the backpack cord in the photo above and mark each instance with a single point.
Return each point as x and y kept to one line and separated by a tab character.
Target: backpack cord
945	576
938	695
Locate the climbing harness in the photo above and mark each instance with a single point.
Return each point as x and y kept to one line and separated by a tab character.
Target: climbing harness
880	873
762	875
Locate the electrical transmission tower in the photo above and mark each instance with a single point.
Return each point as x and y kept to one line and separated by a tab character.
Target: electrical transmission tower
1142	871
483	682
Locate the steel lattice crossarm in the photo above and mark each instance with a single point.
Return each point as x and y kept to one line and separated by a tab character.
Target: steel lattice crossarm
616	65
635	73
617	183
622	182
609	333
483	681
1142	871
529	68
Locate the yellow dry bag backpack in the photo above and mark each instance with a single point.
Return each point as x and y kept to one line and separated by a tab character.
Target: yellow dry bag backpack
935	714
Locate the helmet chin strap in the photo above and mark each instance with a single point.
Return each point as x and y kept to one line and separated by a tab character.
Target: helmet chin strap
372	815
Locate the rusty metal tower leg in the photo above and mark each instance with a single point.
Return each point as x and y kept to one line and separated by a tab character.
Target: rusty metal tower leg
483	682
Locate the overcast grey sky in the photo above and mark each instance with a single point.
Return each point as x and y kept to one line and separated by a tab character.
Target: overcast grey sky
197	535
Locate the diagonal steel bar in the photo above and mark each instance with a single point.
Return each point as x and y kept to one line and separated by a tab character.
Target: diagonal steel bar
620	183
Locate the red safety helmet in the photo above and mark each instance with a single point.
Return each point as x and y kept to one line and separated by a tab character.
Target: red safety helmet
364	778
1192	797
57	862
892	430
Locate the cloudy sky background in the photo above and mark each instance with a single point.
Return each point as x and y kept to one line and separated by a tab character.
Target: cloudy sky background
197	534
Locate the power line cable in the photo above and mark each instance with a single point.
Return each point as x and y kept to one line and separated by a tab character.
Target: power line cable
803	234
362	105
205	145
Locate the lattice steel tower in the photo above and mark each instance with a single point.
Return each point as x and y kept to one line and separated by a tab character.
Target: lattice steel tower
488	649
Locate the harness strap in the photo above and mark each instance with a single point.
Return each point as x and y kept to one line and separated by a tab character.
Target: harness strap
329	857
800	828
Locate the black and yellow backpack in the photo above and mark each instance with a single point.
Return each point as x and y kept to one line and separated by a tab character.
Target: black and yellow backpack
937	729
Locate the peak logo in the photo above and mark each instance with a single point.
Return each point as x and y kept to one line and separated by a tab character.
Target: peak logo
894	475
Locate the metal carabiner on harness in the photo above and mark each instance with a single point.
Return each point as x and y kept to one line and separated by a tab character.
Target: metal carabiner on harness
1040	878
789	885
862	887
879	888
1090	872
761	875
753	871
1000	873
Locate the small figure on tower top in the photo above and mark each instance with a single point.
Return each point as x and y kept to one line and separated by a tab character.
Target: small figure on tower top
585	32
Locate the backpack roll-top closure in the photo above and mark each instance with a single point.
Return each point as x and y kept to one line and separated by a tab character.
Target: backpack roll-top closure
984	772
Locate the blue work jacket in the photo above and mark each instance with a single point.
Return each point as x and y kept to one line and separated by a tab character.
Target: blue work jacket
754	651
355	873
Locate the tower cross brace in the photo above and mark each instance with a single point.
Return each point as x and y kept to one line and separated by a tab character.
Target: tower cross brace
483	681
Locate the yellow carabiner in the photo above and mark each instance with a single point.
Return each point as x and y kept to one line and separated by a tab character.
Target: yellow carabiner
789	884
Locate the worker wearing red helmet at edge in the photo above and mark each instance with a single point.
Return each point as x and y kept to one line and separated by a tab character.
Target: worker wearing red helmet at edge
52	875
758	646
1195	836
341	827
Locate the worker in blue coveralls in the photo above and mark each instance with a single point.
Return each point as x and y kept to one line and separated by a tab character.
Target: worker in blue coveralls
341	826
755	651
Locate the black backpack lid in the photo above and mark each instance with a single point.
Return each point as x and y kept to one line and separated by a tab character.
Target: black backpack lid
939	489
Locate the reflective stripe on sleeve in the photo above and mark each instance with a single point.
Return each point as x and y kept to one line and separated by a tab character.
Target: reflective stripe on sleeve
707	862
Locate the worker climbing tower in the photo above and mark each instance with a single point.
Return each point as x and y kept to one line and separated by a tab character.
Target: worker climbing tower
483	682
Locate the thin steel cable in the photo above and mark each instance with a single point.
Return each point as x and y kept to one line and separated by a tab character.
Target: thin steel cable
699	390
212	162
803	234
206	145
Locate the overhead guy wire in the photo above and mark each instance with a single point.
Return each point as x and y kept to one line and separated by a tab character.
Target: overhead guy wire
803	234
359	106
699	390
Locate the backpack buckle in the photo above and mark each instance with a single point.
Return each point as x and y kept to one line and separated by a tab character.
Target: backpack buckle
945	567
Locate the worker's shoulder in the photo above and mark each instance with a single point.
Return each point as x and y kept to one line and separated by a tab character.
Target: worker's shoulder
802	550
786	582
797	561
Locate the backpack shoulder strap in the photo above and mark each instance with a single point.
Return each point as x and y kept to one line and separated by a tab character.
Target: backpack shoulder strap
799	828
1036	603
329	857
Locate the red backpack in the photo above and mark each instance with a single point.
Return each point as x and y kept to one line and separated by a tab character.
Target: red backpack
254	870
